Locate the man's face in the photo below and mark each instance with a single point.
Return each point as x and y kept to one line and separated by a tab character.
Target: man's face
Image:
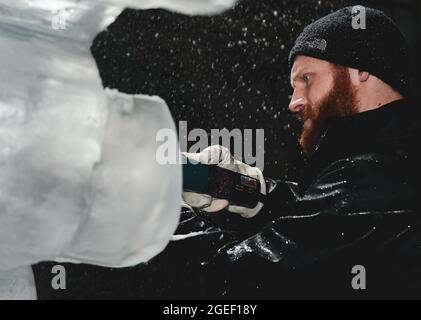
322	90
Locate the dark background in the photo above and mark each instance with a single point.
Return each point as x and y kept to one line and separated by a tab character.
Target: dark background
227	71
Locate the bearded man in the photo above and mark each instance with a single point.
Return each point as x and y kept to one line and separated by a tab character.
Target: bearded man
350	226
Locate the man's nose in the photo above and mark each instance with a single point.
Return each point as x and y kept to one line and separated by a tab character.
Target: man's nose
296	104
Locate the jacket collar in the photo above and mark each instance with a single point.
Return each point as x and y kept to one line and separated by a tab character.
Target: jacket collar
387	122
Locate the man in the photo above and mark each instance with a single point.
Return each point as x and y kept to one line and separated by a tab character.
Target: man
351	226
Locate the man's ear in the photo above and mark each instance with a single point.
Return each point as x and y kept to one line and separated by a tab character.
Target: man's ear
363	75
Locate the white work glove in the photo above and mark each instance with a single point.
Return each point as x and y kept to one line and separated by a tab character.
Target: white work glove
222	157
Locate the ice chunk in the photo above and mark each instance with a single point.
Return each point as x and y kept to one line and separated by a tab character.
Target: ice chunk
79	178
135	202
17	284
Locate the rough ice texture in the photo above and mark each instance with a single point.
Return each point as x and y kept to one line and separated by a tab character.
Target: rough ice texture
17	284
80	181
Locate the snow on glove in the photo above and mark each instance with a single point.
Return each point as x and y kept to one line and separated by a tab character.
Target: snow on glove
221	156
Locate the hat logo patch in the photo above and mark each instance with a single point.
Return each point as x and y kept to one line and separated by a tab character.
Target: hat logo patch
318	43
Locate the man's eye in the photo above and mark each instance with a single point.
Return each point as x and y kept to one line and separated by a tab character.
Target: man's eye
306	77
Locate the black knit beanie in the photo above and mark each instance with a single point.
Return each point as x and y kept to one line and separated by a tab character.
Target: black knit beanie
379	49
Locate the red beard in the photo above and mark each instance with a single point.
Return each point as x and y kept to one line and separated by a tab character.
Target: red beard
340	101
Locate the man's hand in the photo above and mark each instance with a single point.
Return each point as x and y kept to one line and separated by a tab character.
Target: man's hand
221	156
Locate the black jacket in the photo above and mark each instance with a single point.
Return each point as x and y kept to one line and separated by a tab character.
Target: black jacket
358	204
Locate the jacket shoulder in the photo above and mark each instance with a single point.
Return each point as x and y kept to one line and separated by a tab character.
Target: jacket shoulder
375	182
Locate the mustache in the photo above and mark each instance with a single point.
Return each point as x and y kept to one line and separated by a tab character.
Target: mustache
304	114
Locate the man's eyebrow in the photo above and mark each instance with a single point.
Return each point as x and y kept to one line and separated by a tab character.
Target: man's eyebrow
294	76
298	74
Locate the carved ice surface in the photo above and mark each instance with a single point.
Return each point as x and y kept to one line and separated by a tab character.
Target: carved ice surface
79	177
17	284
